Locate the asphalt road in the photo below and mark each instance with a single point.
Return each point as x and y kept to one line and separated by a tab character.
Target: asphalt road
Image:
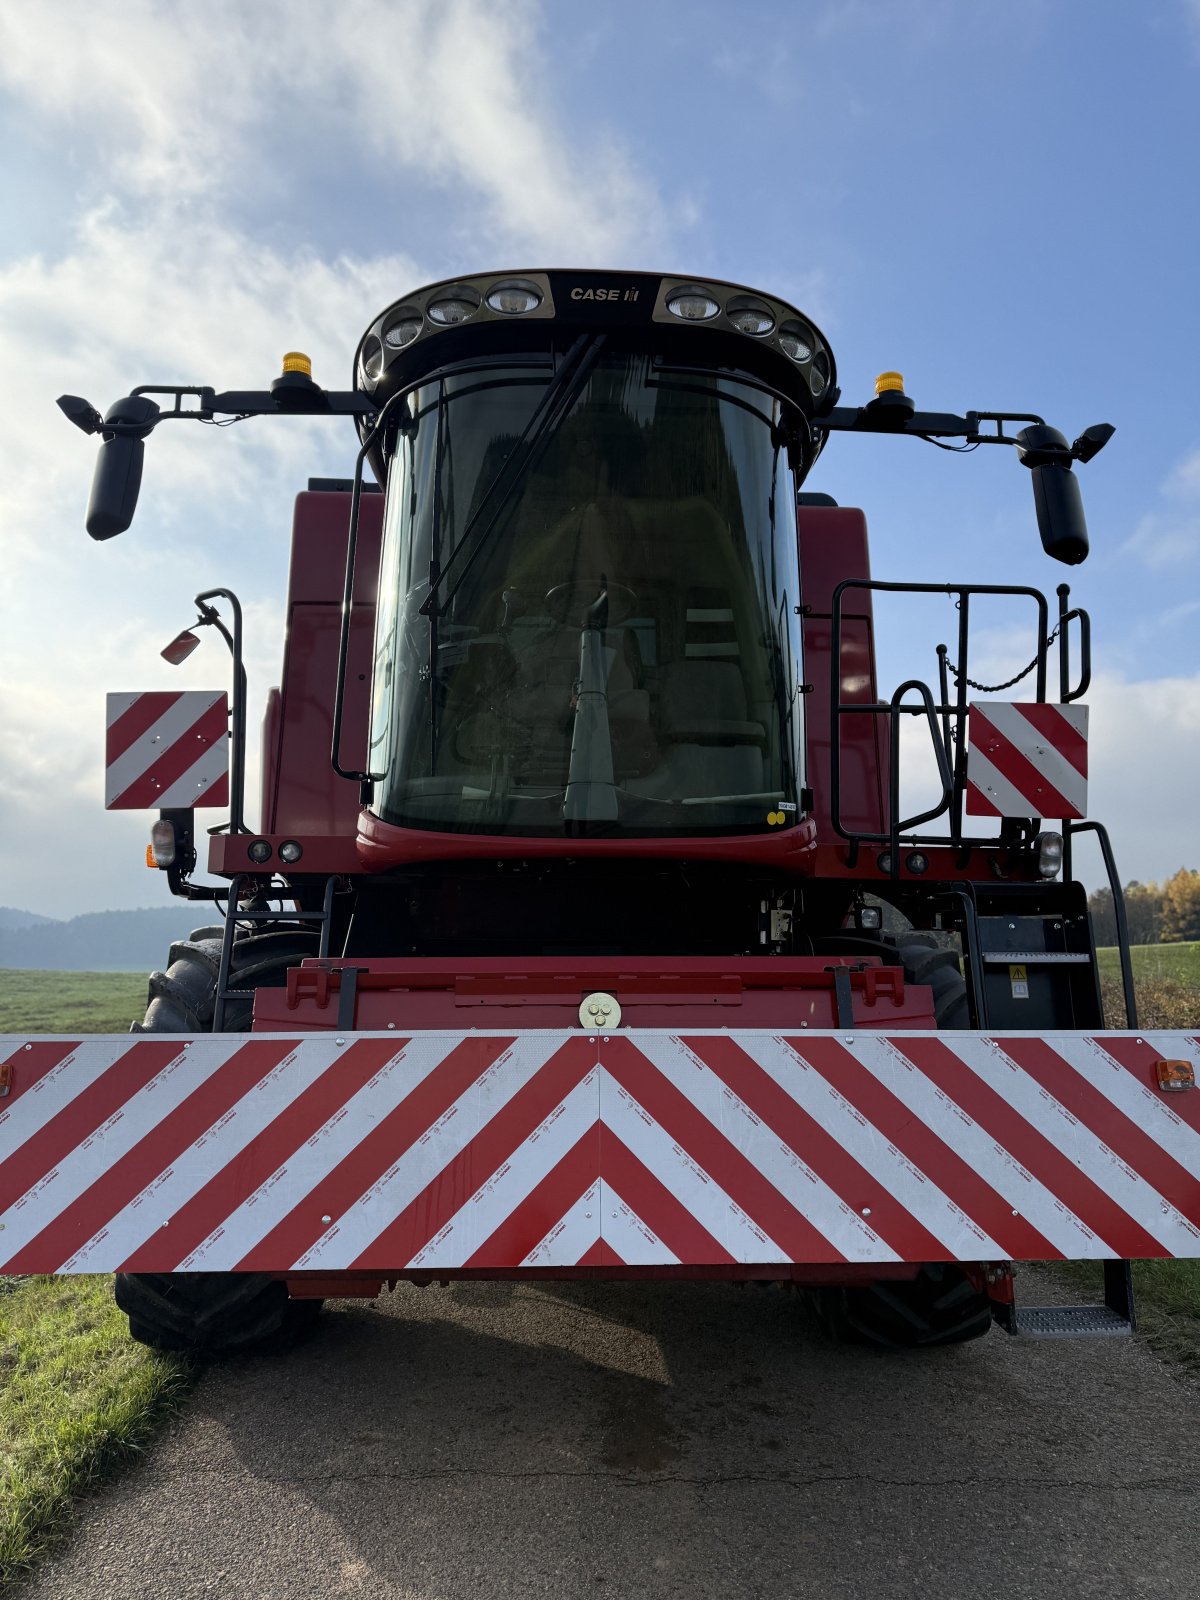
657	1440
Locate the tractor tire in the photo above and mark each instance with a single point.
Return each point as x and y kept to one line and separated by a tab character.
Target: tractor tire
940	1305
215	1314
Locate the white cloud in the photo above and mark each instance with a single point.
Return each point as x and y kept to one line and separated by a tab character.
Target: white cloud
1170	537
185	102
172	125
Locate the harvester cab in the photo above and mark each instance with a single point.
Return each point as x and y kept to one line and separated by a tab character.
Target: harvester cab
581	873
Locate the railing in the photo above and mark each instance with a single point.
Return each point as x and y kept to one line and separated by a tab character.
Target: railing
946	718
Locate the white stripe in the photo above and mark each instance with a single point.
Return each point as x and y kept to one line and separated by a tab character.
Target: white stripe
499	1195
1027	1195
696	1190
1126	1188
637	1244
1012	724
303	1171
991	782
152	745
105	1146
1152	1112
27	1116
916	1190
206	1156
806	1190
190	788
572	1236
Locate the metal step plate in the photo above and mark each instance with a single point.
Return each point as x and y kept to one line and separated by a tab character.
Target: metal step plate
1071	1322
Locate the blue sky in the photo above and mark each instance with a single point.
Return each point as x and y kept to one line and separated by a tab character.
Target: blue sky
999	201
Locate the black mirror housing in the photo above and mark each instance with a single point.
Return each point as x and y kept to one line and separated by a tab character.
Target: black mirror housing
118	476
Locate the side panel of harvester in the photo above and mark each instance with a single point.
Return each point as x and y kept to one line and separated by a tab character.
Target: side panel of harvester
742	1151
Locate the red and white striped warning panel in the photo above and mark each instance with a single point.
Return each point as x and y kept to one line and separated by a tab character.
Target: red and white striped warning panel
164	749
449	1151
1026	760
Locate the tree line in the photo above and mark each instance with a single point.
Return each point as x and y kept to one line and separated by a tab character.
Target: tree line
1157	913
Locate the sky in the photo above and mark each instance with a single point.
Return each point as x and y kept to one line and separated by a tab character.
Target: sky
1000	202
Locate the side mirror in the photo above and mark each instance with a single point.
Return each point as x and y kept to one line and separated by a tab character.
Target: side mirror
1056	496
118	475
1060	517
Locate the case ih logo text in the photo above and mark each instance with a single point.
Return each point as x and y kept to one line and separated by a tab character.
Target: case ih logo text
604	294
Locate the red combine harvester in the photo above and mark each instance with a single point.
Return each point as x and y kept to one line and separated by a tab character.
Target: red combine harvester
582	934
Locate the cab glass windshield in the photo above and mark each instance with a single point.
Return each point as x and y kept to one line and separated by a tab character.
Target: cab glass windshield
586	617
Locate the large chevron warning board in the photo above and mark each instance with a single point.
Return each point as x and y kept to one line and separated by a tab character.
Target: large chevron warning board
1026	760
166	749
467	1151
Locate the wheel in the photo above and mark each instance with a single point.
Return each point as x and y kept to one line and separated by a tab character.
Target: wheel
925	961
941	1305
215	1313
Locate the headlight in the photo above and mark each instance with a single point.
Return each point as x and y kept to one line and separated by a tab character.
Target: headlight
796	341
453	308
404	330
750	316
514	298
1050	854
372	359
693	305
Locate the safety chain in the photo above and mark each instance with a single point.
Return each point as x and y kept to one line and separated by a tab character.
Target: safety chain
995	688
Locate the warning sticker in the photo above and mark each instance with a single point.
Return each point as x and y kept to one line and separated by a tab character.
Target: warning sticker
1019	979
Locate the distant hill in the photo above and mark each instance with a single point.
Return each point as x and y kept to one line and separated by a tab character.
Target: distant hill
100	941
10	917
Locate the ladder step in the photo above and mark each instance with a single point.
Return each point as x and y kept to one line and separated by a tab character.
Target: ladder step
1071	1322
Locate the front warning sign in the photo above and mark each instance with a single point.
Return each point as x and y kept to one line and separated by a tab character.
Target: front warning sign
1019	979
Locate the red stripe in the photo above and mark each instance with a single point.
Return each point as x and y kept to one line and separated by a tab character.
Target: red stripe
40	1155
1138	1059
486	1156
818	1149
401	1128
928	1153
721	1160
86	1217
548	1203
136	720
1129	1143
653	1203
171	763
1042	797
265	1154
1085	1199
1059	733
978	804
29	1064
600	1255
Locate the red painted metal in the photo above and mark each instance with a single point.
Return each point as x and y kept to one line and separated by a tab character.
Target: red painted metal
382	845
692	992
833	547
303	796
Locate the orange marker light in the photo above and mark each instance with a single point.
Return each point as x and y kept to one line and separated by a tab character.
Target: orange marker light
150	861
1173	1075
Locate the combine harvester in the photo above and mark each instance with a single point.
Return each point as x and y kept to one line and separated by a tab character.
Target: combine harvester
582	934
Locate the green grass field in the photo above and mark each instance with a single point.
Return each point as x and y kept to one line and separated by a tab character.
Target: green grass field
77	1396
70	1002
1172	963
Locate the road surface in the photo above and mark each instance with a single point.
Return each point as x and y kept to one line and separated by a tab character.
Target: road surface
653	1440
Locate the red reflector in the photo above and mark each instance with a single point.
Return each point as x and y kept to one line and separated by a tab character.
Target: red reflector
1175	1074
